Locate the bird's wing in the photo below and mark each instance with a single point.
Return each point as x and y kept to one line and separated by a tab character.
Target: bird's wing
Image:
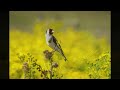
58	45
56	42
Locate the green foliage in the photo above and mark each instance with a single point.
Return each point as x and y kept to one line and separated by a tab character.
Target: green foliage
100	67
32	70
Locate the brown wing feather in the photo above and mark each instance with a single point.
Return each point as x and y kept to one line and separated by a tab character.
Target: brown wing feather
58	45
56	42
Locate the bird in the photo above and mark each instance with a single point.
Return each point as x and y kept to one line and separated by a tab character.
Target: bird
53	43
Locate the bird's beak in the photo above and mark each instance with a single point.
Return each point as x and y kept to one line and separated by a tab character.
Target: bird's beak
52	31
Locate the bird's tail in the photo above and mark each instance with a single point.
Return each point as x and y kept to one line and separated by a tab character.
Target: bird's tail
61	52
65	58
63	55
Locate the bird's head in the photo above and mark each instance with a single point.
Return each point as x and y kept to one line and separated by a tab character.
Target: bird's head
50	31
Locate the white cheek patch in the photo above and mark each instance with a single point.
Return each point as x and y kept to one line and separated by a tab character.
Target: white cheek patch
47	31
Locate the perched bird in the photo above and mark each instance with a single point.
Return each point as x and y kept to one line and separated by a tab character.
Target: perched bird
53	43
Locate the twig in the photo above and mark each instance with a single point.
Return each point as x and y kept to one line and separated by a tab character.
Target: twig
51	68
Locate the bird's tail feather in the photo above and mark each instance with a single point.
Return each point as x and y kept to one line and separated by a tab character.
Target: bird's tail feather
61	52
65	58
63	55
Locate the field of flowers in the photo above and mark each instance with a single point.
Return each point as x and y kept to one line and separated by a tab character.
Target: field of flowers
88	57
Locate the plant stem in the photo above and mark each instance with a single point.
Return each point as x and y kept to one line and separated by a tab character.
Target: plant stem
24	75
51	69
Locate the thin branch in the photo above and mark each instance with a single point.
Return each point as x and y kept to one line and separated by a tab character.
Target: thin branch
51	68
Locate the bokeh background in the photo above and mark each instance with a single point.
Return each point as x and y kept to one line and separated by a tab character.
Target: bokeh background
83	35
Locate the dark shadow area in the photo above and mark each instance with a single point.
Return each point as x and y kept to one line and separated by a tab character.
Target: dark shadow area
4	45
115	45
